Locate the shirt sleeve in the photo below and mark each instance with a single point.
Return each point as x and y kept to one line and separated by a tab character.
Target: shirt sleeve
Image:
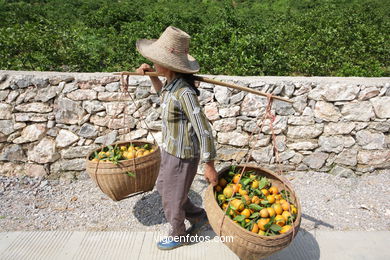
200	123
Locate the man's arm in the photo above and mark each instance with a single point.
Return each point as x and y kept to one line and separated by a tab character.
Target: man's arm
201	125
156	82
210	174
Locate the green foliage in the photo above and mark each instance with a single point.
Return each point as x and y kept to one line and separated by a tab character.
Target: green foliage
247	37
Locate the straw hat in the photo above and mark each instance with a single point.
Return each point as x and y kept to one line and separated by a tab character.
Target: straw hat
170	51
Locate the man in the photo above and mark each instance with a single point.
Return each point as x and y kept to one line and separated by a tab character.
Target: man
186	132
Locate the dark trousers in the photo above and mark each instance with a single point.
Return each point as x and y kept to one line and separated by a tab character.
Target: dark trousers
173	184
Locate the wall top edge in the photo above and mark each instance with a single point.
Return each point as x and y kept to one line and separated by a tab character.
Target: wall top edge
265	79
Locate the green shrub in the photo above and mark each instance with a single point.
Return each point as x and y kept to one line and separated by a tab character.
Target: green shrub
269	37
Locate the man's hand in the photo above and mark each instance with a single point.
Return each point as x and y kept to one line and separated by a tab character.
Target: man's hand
210	173
156	82
143	68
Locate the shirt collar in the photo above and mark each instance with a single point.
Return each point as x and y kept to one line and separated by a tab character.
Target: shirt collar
171	86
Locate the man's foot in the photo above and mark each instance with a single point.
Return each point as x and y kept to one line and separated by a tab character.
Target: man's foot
169	244
196	227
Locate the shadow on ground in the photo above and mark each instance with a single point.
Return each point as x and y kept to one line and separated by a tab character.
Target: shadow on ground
317	222
303	247
148	209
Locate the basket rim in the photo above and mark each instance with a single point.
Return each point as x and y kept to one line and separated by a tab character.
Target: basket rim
119	143
297	222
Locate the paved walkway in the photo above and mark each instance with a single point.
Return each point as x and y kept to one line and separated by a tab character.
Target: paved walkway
58	245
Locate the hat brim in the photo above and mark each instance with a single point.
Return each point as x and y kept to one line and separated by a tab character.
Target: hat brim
180	63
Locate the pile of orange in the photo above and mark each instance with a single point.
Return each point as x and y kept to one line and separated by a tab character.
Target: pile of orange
254	204
117	153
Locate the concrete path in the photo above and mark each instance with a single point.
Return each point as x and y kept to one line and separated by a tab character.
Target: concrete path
58	245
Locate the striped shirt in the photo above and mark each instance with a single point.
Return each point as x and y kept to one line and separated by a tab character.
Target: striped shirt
186	132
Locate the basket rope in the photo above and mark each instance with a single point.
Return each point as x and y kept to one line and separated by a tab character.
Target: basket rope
124	92
104	143
279	168
267	115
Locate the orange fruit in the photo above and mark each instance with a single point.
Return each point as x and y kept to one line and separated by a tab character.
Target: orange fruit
255	228
262	222
238	204
139	153
265	192
222	182
127	155
279	220
261	233
132	154
293	209
255	200
273	190
285	229
255	184
236	187
246	213
278	196
286	206
218	188
228	192
247	199
264	213
282	201
221	198
247	220
243	192
271	212
236	178
286	215
278	208
271	199
232	213
224	205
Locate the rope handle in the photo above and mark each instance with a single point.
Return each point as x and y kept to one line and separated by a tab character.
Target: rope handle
104	143
268	109
124	92
267	115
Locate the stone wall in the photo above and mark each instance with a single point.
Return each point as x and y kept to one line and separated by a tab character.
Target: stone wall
49	121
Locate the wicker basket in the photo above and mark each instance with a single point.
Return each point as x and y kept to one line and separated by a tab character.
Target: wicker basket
248	245
113	179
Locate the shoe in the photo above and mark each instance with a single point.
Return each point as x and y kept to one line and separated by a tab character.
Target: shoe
195	228
169	244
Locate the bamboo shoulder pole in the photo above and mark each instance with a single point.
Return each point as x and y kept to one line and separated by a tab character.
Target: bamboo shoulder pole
211	81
